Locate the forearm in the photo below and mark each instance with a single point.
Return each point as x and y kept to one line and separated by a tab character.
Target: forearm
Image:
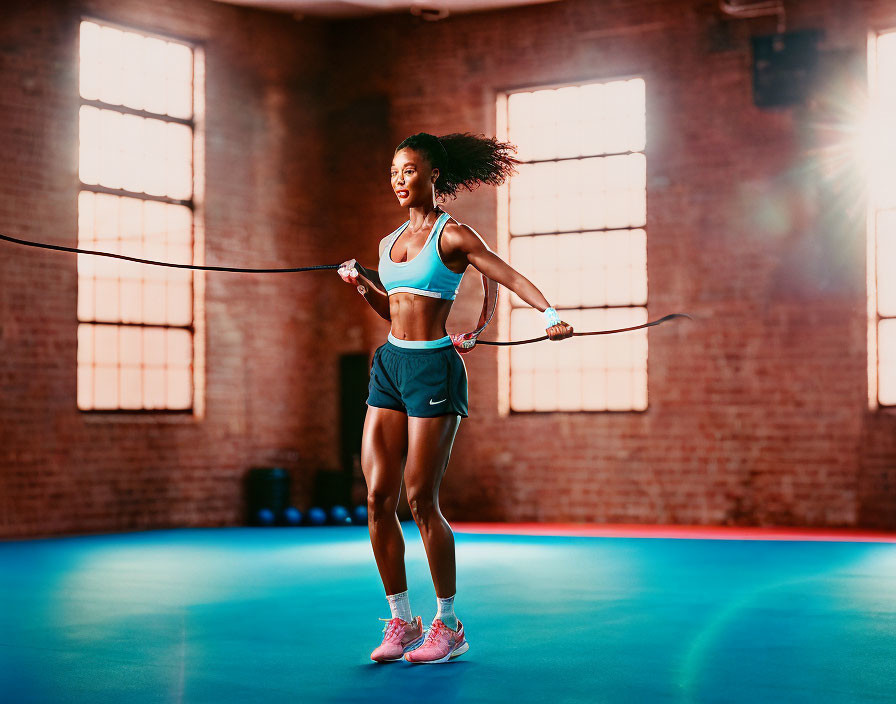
498	270
526	290
370	287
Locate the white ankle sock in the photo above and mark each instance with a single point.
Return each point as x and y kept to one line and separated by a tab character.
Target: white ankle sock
400	605
446	612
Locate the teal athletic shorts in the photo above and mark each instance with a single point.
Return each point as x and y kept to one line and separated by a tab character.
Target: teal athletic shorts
423	383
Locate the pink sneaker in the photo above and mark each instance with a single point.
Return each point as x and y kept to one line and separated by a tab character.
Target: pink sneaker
401	636
441	644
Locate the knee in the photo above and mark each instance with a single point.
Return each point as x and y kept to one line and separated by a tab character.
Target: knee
380	504
423	506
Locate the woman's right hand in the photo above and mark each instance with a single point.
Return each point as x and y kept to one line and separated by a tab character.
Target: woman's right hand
348	272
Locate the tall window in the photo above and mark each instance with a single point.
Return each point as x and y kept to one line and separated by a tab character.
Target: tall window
573	221
135	330
882	222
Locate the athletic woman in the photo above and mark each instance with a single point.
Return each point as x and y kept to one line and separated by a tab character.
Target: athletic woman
418	382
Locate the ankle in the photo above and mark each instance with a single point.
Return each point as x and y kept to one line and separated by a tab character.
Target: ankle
400	606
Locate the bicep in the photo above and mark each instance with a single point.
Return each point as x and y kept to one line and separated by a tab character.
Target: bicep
487	262
480	256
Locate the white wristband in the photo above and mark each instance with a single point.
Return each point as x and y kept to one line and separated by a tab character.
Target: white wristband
551	317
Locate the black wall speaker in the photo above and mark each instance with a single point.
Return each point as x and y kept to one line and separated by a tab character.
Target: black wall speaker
784	67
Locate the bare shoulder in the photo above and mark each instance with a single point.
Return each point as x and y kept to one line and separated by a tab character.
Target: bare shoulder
383	243
458	235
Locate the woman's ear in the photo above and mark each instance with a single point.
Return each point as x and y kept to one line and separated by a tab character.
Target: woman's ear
435	175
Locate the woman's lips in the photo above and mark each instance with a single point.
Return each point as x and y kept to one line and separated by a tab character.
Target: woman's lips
402	194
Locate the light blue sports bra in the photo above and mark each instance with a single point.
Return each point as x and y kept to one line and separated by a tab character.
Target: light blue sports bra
425	274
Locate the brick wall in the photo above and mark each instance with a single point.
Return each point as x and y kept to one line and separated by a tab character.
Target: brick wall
757	413
267	401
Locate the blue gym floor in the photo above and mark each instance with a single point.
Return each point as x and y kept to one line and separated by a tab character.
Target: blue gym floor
290	615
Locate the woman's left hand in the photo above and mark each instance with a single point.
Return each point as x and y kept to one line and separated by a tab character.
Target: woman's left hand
559	332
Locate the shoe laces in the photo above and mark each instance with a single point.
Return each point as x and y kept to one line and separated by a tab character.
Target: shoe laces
435	631
393	629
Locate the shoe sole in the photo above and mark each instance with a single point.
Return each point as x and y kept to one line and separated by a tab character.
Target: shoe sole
409	647
453	654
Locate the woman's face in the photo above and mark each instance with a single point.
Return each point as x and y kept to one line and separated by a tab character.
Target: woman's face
413	178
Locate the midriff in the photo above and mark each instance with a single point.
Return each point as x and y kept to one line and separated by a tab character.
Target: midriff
418	317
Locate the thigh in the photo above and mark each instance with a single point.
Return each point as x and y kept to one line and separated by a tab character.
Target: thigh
429	447
383	447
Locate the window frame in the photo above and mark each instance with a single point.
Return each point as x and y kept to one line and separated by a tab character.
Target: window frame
196	410
873	311
504	237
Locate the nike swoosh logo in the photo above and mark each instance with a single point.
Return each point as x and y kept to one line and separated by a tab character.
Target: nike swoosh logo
436	403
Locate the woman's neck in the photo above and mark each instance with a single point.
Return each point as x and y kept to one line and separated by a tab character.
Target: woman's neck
422	216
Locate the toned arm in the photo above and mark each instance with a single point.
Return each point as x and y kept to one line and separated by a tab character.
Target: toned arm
461	242
370	286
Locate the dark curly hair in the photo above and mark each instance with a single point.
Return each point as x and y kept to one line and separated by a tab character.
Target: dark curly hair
464	160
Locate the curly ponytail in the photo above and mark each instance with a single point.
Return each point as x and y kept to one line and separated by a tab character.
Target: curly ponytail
464	160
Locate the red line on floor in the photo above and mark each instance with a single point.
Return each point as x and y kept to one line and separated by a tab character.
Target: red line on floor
636	530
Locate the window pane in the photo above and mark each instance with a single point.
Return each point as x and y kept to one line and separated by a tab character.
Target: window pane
85	344
108	297
144	73
567	128
105	344
134	367
105	387
153	167
137	228
594	200
882	140
154	303
180	80
179	302
110	65
578	120
90	76
86	296
131	391
522	197
89	140
131	360
623	116
131	301
85	386
178	388
886	332
154	387
587	373
626	197
179	352
886	263
596	193
131	60
584	269
179	160
154	347
155	97
137	154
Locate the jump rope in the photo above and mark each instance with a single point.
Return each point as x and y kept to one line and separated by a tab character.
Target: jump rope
464	342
